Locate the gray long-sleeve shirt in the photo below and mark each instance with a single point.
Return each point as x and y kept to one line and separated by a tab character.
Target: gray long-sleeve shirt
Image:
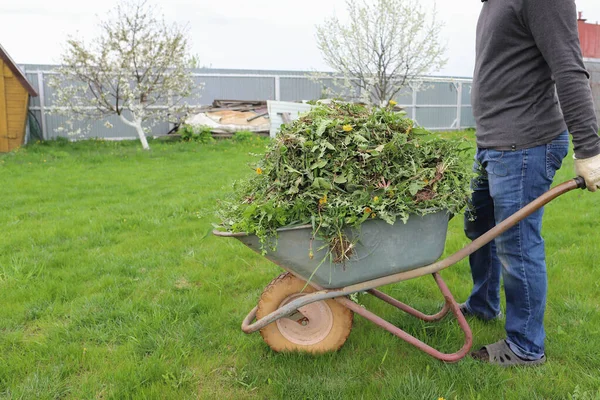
528	51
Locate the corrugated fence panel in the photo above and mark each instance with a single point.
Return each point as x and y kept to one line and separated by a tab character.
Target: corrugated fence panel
237	88
197	97
297	89
405	96
58	125
33	79
437	93
408	111
436	117
466	117
466	94
262	85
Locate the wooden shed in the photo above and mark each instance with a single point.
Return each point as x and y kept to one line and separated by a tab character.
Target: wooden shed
14	102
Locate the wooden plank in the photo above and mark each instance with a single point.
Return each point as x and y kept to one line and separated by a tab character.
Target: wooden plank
14	86
16	113
12	90
14	107
18	123
7	72
17	117
16	127
15	102
14	144
3	120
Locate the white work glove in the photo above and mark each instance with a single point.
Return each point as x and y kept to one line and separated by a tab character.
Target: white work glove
589	169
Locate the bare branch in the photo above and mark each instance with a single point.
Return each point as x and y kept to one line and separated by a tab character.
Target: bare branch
385	44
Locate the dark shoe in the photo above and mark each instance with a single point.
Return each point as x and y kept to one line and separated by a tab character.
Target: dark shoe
501	354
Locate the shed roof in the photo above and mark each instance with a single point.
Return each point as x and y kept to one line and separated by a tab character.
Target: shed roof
17	71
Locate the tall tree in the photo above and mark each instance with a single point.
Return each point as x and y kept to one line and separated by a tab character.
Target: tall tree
384	45
135	69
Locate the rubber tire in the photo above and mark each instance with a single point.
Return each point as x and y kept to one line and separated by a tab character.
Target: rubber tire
281	288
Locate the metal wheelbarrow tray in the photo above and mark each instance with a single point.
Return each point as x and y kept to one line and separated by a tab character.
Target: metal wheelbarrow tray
293	315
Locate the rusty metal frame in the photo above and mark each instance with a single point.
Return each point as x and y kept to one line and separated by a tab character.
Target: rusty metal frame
449	305
340	295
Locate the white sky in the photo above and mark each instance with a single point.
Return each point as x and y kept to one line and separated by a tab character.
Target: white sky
255	34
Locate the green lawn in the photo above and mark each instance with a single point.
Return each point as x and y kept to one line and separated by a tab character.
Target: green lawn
112	287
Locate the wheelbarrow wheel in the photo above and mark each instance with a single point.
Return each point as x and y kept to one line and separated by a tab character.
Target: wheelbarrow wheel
321	327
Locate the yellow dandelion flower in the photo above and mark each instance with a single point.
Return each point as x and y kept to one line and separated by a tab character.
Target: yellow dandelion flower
373	215
375	199
368	210
259	171
393	103
347	128
323	200
426	181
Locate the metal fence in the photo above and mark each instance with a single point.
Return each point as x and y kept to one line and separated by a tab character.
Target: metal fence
434	103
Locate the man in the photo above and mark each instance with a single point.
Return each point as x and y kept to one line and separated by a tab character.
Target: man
528	58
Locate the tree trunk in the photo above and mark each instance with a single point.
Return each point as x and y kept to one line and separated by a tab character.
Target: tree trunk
137	124
142	135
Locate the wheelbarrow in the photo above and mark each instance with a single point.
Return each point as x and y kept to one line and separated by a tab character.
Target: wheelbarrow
308	309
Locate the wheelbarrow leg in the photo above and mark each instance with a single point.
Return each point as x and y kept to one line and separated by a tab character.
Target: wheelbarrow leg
408	309
450	305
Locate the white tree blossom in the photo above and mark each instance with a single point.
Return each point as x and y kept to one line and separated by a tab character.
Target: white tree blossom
135	69
384	46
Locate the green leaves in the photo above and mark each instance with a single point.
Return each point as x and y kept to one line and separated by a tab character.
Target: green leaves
322	127
321	183
319	164
342	164
340	179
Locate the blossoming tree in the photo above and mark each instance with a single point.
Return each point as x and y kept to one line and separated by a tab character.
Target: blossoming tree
136	69
385	45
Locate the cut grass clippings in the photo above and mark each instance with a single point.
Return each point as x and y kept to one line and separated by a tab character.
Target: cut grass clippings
112	287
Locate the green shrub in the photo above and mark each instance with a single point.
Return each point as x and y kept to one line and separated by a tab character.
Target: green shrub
200	134
243	136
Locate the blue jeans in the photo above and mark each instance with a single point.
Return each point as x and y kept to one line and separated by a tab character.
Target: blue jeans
506	182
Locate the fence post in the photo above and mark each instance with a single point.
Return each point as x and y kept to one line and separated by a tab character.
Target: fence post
278	88
41	95
459	106
414	102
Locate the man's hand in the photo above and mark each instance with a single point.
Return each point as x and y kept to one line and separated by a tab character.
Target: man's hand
589	169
